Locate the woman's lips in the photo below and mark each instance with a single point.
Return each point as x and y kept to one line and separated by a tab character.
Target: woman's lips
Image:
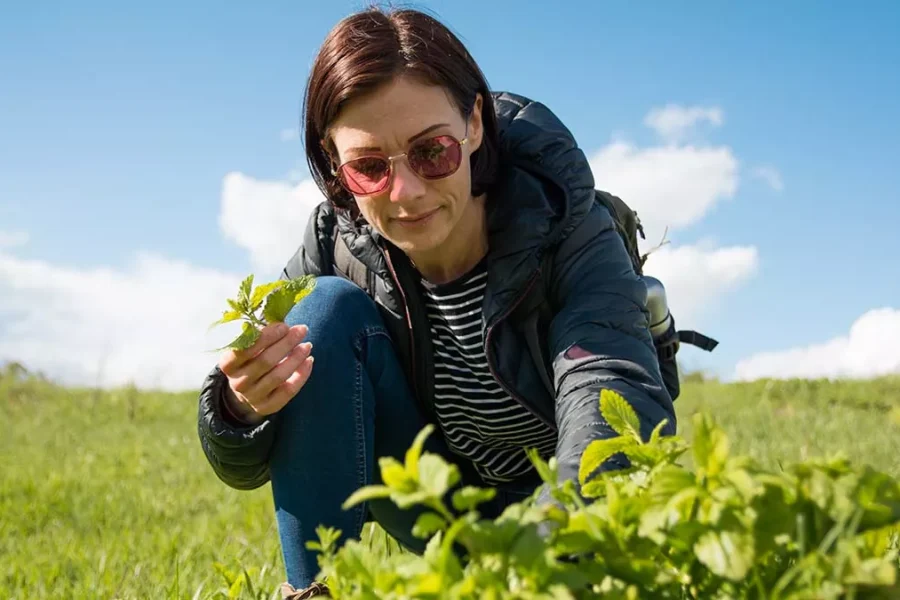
416	220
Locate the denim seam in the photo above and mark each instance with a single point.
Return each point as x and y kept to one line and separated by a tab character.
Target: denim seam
359	346
370	331
362	461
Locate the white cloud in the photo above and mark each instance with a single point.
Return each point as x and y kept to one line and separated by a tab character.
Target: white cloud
674	122
672	186
771	176
870	349
267	218
669	186
147	324
11	239
698	276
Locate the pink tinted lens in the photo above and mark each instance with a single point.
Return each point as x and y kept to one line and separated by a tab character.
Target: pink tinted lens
365	175
435	157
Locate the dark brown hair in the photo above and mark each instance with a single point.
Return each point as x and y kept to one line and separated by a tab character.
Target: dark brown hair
370	48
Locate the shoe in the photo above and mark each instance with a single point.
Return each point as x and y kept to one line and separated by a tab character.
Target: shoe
316	590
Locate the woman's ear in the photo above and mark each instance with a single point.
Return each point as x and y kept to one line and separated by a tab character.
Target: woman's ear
475	124
329	155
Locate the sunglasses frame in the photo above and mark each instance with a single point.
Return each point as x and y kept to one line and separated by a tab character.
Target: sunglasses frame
336	171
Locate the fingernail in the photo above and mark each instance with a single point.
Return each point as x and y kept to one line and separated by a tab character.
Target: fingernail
307	346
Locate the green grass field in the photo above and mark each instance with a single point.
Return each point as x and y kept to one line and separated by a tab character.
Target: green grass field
108	495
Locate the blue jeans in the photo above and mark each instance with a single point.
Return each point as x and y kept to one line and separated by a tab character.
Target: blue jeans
355	407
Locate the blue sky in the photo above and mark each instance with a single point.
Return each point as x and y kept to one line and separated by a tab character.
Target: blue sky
119	124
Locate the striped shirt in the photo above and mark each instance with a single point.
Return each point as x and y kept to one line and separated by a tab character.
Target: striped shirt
477	417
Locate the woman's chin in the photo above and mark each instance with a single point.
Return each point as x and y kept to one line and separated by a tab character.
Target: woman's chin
420	235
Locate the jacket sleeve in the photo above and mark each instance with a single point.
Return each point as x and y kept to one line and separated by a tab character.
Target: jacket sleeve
238	453
600	340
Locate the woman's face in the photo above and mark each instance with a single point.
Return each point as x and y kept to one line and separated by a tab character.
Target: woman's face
416	214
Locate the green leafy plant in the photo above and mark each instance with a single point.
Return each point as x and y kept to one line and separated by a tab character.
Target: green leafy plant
723	528
264	304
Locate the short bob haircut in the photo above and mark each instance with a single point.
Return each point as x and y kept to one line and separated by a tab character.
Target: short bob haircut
371	48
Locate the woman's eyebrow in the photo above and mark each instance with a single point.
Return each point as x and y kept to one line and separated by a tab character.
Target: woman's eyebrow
410	140
427	130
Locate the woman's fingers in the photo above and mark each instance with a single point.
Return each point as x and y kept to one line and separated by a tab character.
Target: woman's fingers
233	361
289	388
278	374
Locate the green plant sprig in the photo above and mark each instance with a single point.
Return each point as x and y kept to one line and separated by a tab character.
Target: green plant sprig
267	303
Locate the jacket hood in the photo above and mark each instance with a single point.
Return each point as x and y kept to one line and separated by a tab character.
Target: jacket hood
545	176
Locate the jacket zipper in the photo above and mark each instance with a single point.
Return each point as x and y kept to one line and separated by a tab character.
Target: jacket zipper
409	325
487	354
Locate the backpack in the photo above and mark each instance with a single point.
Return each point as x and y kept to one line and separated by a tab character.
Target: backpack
535	315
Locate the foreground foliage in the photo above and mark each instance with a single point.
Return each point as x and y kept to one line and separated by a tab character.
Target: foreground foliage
106	493
725	528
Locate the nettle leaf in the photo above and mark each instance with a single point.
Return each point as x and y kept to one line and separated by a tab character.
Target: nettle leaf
245	289
260	293
657	431
227	317
469	497
437	476
669	481
619	414
280	302
598	452
249	335
236	306
710	445
489	537
645	455
743	482
546	469
395	476
728	554
427	524
302	287
595	488
363	494
527	547
428	585
409	499
415	450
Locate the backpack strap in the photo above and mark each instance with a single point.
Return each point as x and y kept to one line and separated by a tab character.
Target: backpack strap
695	338
628	226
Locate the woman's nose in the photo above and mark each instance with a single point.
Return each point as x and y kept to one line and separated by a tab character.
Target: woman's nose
406	184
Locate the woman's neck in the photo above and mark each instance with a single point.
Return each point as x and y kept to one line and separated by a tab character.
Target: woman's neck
461	251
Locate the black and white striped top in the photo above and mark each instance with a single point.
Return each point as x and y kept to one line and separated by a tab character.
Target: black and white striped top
479	420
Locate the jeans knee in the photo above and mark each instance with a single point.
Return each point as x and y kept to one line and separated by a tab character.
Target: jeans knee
335	304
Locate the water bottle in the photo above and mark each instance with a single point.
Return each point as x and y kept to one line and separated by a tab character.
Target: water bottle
660	317
662	330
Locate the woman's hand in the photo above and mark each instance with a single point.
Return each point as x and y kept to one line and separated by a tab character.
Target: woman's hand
263	378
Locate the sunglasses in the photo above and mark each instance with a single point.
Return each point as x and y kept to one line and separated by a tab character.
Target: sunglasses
431	158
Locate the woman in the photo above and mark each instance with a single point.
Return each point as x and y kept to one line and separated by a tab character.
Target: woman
442	199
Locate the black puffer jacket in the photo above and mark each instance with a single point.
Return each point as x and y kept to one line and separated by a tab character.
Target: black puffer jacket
598	338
